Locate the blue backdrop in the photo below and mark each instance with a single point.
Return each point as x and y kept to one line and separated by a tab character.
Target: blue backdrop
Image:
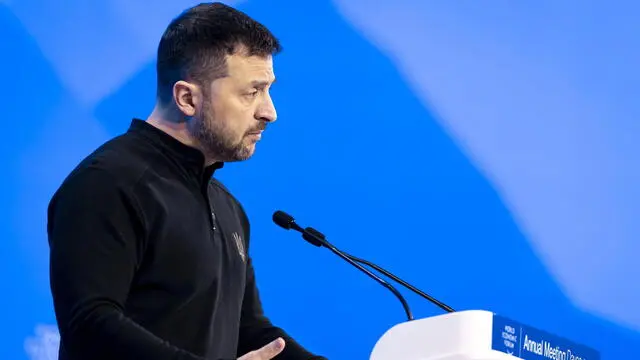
485	151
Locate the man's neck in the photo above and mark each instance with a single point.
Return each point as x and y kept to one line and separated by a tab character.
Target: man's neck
176	129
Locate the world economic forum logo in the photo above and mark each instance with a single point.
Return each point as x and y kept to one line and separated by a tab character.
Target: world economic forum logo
44	345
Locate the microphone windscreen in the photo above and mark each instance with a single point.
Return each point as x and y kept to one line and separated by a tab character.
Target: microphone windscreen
283	219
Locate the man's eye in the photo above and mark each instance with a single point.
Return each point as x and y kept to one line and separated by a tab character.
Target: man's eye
252	93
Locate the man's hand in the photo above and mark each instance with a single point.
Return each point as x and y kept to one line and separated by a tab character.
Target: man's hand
266	352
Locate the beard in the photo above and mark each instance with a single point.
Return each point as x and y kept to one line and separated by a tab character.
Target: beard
218	141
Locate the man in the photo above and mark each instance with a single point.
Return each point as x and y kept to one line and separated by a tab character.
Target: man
148	252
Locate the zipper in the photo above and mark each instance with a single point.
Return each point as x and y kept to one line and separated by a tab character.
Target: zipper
213	218
210	208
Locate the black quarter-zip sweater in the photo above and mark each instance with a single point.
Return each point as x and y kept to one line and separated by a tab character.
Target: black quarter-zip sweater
149	258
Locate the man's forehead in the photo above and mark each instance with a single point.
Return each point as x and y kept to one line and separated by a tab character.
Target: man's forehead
253	68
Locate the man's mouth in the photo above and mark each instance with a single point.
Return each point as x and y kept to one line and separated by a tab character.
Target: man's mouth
255	134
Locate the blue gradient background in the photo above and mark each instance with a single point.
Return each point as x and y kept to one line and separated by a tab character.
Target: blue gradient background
485	151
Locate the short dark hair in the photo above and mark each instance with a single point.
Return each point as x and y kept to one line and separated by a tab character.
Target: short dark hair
195	44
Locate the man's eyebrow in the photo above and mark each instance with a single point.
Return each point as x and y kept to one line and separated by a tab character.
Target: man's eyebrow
261	84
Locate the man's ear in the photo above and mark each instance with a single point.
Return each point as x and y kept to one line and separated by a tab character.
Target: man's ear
188	97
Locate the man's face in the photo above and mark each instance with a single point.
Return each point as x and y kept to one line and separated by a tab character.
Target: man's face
236	109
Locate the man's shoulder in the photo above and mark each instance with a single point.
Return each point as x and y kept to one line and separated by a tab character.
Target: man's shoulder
112	164
101	184
224	191
213	182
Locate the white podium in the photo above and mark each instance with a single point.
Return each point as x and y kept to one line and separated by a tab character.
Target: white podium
474	335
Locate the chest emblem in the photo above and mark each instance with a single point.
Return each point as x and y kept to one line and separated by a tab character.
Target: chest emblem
240	245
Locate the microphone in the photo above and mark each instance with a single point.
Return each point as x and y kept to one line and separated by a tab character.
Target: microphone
316	238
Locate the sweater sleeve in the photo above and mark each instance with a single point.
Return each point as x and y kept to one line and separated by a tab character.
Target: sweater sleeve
95	234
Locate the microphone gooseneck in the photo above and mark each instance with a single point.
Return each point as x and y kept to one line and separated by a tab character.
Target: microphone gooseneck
316	238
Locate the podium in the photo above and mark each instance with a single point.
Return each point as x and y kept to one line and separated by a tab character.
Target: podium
475	335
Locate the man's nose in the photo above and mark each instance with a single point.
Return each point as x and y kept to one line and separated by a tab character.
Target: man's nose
267	111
